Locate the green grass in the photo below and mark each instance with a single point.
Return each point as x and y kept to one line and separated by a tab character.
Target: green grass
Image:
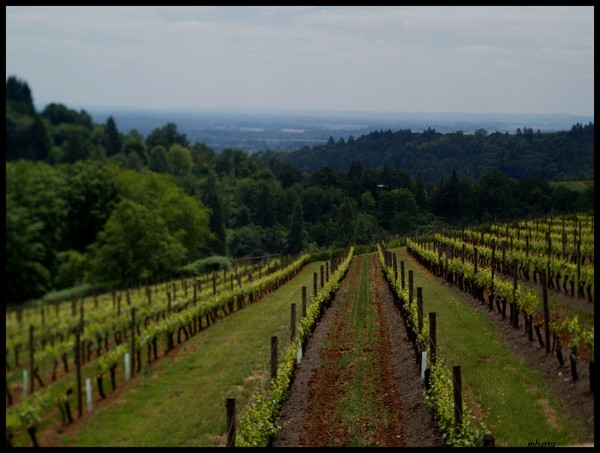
513	399
359	402
576	186
180	400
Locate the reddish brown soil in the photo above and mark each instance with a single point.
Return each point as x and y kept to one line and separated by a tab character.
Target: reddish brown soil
415	422
320	380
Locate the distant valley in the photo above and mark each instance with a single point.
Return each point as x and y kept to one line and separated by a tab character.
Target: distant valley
265	129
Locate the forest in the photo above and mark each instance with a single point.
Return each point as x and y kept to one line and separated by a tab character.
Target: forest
563	155
90	206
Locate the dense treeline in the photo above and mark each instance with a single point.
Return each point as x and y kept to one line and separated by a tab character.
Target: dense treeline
87	203
565	155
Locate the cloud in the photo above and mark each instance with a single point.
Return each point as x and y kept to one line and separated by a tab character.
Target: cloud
301	57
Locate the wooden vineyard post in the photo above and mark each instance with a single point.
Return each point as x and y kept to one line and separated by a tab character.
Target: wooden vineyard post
314	283
420	308
546	314
446	263
303	301
31	361
410	287
458	406
395	264
432	338
230	406
293	322
132	340
491	296
78	364
515	319
273	357
578	282
326	271
402	273
322	275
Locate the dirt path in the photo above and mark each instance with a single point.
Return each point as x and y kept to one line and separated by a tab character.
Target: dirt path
330	366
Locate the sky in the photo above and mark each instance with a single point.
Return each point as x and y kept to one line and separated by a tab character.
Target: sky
467	59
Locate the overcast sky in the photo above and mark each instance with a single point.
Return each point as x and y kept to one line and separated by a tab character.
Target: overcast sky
537	59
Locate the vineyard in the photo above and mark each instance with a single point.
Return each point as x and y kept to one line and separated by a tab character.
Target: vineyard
51	351
536	276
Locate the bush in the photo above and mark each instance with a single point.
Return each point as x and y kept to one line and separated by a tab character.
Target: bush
71	268
210	264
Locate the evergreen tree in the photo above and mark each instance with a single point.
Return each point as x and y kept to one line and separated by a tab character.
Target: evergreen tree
113	139
18	96
211	199
295	239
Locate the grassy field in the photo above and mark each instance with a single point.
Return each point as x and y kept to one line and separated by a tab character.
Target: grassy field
180	400
577	186
511	397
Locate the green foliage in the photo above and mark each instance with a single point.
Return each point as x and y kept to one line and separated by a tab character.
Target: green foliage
296	236
135	243
58	114
166	136
210	264
27	135
18	95
113	140
179	160
26	275
91	196
565	155
158	159
71	269
35	227
440	400
80	290
246	241
249	205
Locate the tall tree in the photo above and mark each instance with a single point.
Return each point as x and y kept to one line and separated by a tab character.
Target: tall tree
166	136
18	96
296	235
135	243
158	159
91	196
113	141
211	199
179	160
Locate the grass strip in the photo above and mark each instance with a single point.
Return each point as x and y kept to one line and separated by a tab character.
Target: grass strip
180	400
512	398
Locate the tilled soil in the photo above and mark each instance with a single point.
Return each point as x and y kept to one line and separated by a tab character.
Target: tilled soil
320	380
